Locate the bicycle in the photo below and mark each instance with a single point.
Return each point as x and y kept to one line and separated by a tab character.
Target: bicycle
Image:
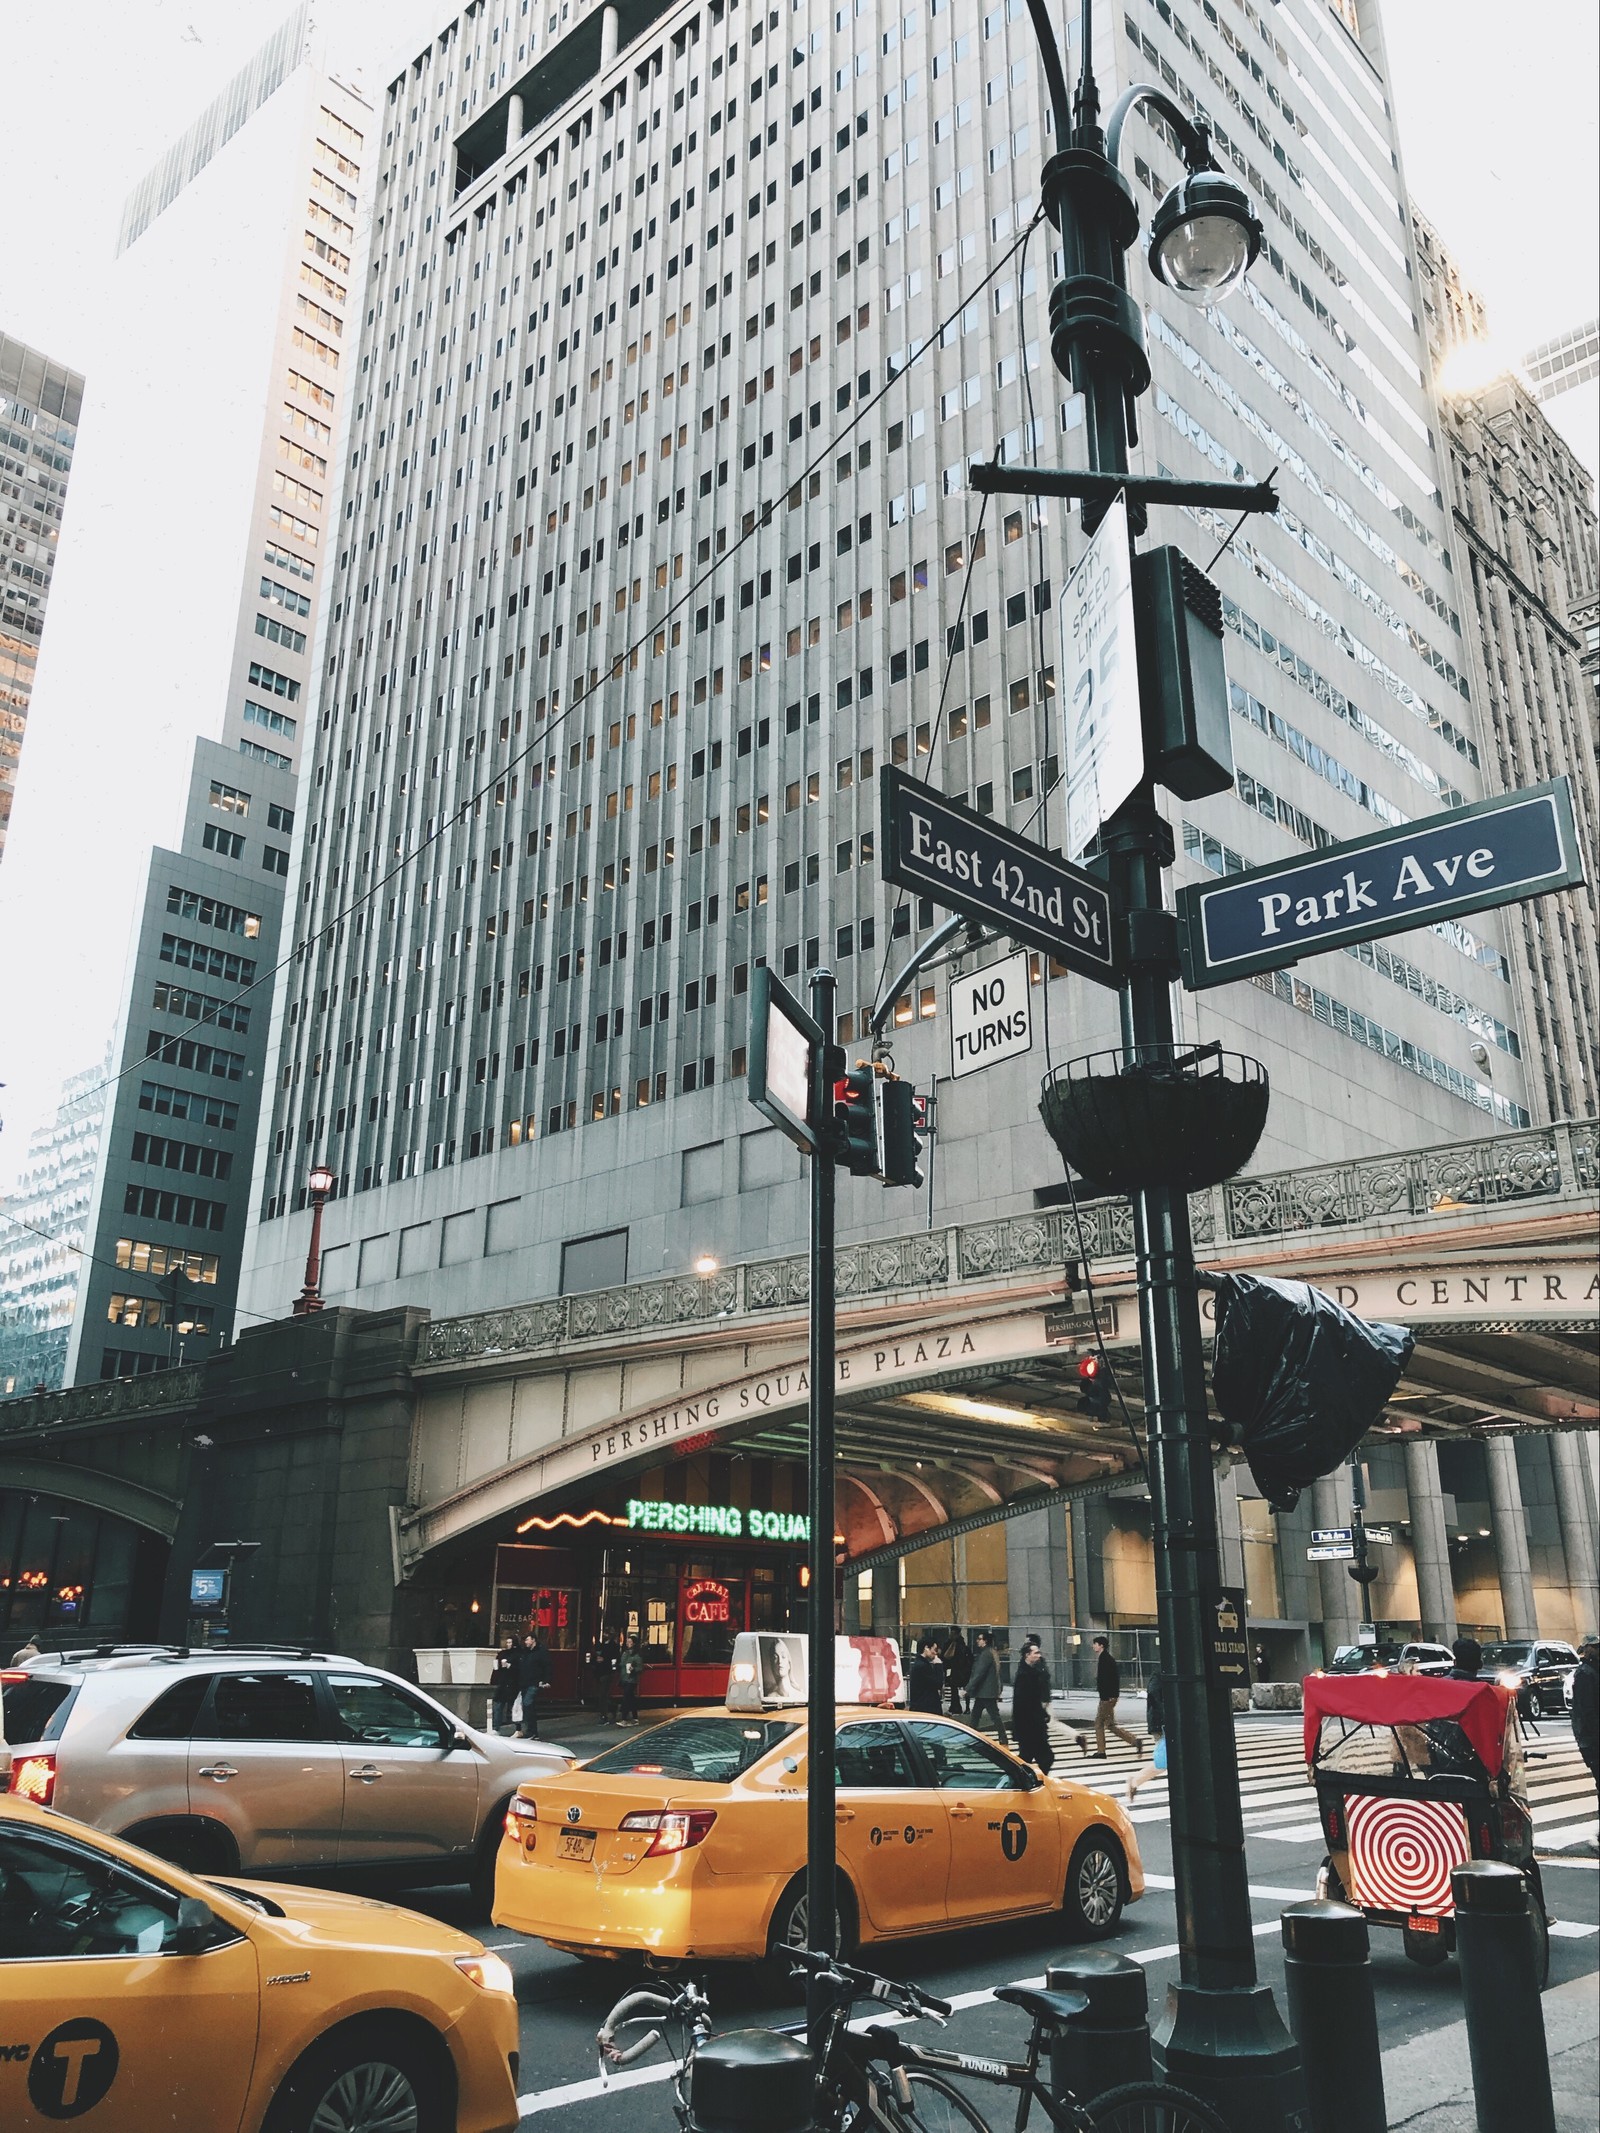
874	2081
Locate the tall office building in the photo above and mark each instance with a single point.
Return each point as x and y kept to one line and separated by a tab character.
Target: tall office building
1570	359
263	188
1526	532
42	1226
40	403
659	543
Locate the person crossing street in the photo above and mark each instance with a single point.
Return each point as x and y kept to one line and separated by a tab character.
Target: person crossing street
1107	1688
983	1687
1030	1708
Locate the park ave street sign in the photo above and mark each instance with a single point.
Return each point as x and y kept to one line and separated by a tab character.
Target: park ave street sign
1499	851
968	863
990	1017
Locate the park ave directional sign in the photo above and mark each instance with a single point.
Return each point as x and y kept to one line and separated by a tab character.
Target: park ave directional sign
968	863
1496	852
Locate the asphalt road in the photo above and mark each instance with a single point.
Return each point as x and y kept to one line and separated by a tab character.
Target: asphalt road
563	2000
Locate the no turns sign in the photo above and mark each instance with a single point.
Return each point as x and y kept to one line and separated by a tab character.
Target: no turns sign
990	1016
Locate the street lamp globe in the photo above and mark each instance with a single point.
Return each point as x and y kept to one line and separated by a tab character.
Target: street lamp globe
1204	238
320	1182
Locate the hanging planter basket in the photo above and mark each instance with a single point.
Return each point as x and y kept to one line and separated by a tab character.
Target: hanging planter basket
1180	1117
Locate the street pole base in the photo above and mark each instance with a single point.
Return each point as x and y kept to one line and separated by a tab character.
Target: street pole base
1229	2046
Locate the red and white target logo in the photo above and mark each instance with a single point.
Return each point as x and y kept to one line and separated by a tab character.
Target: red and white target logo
1402	1851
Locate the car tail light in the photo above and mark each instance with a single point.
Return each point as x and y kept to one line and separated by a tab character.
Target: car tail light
521	1815
673	1832
33	1777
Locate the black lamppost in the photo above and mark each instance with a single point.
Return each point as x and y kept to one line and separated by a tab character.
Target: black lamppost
318	1185
1222	2034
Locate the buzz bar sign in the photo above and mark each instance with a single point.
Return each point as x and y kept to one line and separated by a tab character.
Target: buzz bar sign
1500	851
965	861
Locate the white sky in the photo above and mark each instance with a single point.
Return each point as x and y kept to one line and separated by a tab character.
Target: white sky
1498	125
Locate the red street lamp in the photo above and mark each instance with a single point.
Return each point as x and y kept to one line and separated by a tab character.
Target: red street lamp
319	1185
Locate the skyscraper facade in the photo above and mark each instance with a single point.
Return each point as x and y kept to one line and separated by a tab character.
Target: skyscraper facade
42	1230
40	403
685	326
1526	533
274	168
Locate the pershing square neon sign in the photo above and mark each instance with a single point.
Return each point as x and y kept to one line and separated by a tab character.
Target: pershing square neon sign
723	1519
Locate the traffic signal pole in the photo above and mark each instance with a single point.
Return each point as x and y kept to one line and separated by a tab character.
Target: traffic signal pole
820	1833
1222	2034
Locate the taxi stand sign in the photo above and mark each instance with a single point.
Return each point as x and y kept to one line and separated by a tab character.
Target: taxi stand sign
1505	850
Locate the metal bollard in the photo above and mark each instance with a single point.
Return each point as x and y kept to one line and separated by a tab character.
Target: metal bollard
1110	2041
1328	1973
1500	1991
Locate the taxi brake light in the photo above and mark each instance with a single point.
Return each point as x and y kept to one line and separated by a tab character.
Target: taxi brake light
33	1777
672	1831
519	1812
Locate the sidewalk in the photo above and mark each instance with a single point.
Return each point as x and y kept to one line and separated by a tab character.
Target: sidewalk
1427	2082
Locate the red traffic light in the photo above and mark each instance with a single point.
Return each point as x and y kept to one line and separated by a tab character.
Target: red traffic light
1094	1386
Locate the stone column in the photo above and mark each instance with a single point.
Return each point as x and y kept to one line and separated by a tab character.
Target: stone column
608	37
513	122
1230	1541
886	1598
1510	1538
1576	1509
1038	1590
1430	1542
1341	1596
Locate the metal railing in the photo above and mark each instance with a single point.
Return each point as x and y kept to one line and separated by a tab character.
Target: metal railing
1539	1164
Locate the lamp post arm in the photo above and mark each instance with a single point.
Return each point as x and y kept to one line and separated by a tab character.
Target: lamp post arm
1054	73
1193	140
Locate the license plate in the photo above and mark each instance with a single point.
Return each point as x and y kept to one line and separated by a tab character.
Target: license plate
1419	1924
576	1844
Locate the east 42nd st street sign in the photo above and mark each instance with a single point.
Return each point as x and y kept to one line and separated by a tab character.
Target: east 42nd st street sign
1496	852
966	862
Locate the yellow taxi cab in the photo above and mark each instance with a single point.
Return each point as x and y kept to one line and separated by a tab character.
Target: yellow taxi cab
690	1840
137	1999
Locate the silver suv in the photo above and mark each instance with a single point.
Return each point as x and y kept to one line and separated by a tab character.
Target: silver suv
264	1760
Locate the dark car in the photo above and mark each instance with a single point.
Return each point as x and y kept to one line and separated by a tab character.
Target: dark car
1537	1670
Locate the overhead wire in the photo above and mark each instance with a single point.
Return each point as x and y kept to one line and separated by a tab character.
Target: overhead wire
761	517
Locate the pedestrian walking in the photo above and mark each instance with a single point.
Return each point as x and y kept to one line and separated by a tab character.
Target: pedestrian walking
1586	1705
983	1685
957	1668
503	1684
1107	1687
605	1657
1030	1708
630	1665
1263	1664
1155	1724
533	1672
925	1682
1467	1653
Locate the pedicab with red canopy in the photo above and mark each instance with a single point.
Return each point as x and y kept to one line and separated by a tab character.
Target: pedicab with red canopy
1416	1775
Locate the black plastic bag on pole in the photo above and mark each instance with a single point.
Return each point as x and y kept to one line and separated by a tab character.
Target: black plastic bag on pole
1299	1378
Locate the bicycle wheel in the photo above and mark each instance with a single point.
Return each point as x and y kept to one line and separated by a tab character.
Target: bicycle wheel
937	2107
1151	2107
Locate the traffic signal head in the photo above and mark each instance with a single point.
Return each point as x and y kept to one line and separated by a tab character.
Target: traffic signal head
897	1108
1094	1387
855	1118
